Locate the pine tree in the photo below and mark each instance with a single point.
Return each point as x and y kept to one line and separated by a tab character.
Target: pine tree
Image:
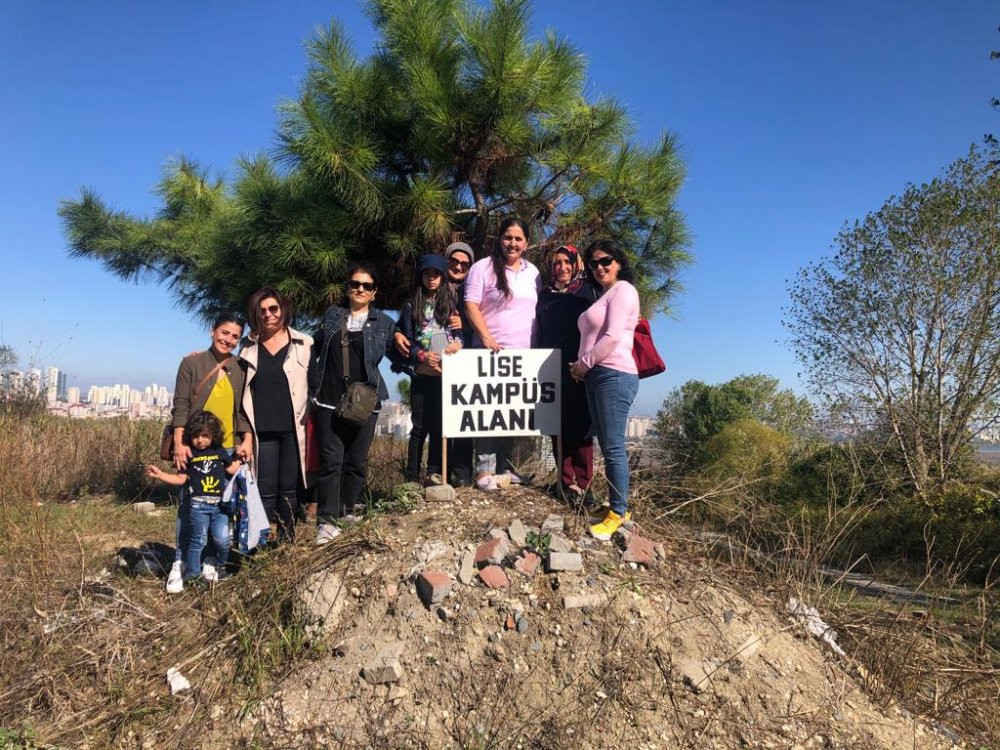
456	121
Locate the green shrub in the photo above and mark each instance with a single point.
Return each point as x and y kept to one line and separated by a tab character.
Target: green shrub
748	450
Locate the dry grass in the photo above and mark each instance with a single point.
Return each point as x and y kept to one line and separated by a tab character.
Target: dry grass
84	649
937	657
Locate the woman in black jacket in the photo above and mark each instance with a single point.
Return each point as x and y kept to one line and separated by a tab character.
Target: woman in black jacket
560	304
343	445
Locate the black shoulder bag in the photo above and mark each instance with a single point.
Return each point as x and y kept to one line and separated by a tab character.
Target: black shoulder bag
359	399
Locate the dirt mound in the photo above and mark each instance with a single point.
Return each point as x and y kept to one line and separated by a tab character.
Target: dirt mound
662	655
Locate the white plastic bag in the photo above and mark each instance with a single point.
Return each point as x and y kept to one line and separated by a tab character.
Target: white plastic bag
256	517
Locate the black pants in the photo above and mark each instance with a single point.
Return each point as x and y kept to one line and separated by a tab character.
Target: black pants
460	461
278	479
425	413
343	463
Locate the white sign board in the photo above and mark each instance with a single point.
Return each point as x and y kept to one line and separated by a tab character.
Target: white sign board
510	392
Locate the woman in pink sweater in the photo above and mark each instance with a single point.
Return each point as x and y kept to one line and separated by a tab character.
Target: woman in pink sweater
606	367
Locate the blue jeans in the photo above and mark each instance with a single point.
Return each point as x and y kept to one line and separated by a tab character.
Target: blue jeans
610	394
205	517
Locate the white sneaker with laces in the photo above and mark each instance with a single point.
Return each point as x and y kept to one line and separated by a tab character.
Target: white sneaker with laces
326	532
175	579
209	571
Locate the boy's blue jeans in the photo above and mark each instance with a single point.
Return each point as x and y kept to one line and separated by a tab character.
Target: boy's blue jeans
205	517
610	394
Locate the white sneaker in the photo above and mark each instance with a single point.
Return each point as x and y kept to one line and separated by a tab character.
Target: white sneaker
326	532
175	579
209	571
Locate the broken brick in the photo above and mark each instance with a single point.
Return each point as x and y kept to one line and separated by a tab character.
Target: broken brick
528	564
492	552
493	576
640	550
433	586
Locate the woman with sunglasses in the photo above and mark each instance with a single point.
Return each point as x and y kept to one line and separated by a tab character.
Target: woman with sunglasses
276	401
500	297
606	367
343	445
568	294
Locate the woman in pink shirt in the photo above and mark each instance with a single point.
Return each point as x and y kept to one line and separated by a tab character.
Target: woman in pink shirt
606	367
501	292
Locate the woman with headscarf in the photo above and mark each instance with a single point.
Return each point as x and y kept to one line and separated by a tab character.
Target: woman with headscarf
560	304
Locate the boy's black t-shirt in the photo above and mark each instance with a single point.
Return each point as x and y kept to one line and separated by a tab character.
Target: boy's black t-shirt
206	474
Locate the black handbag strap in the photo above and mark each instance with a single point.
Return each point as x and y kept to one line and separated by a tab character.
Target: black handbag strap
344	346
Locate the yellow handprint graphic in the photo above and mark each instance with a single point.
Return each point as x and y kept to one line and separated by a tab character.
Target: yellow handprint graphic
210	485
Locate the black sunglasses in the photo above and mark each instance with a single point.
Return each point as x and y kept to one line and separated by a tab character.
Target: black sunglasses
604	262
366	285
273	309
463	264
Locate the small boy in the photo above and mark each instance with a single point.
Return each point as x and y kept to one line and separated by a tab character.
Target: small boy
208	472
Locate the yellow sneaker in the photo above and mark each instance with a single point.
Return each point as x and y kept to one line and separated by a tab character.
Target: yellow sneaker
601	513
603	530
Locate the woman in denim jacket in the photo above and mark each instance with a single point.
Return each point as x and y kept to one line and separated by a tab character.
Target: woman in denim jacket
343	446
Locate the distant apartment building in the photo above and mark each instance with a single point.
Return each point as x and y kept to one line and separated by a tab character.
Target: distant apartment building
51	384
394	420
638	427
72	395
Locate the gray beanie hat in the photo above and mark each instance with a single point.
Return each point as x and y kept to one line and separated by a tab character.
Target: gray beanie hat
459	246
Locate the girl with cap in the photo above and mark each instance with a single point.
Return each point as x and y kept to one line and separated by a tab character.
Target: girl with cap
560	303
429	322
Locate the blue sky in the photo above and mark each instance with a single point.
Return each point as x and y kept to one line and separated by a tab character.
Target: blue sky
792	118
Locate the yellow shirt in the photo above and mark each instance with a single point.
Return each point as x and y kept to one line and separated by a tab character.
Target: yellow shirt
222	403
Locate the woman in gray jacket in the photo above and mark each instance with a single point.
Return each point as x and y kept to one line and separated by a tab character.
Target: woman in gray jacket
276	401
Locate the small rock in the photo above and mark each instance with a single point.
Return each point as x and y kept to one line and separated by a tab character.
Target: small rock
693	672
492	552
391	590
397	693
385	666
568	561
552	523
510	623
728	615
440	493
467	570
661	551
536	647
494	577
144	507
522	625
559	543
518	533
578	601
444	614
496	533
